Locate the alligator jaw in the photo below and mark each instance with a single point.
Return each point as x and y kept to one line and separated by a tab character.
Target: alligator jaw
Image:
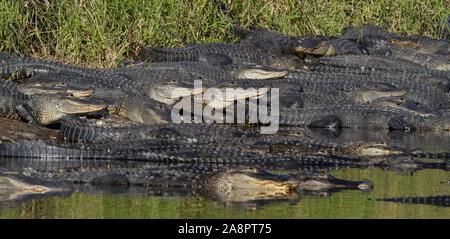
260	73
73	107
252	184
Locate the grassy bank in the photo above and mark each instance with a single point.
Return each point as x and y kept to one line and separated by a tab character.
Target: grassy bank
98	33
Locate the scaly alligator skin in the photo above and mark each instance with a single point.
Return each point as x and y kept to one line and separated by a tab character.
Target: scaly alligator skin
241	183
267	40
239	54
123	96
440	201
194	70
423	44
76	130
24	67
39	109
432	62
378	62
347	76
364	116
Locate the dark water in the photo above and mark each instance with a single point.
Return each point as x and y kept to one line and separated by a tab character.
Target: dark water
87	202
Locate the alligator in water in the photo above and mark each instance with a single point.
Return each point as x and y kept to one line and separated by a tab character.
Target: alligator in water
240	183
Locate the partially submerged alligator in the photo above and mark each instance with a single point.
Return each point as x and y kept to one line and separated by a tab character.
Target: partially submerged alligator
225	184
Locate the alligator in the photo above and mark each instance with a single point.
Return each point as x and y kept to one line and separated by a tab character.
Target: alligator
362	116
430	92
432	62
315	45
367	35
329	74
77	130
241	183
386	63
20	68
209	52
40	109
423	44
123	96
439	201
267	40
197	70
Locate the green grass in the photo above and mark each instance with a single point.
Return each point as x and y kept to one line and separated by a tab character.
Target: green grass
98	33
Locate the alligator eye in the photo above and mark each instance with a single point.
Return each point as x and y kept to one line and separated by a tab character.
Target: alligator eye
160	107
62	83
173	81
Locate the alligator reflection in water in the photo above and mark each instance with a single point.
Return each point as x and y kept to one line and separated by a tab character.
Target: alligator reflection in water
227	184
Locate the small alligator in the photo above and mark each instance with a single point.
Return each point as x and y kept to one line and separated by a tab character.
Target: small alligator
440	201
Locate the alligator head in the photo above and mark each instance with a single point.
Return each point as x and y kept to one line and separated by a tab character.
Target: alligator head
49	108
147	110
315	45
260	73
374	92
249	183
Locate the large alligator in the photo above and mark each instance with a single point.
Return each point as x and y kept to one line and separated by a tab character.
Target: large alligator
440	200
43	109
240	183
209	52
77	130
362	116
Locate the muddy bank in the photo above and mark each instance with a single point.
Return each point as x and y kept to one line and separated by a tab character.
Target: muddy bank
14	130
